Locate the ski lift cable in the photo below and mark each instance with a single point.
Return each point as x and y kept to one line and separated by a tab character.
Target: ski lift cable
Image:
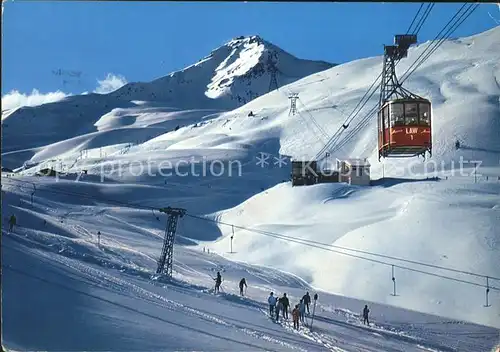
330	248
442	40
428	10
348	120
352	115
139	206
314	121
438	40
427	51
304	119
362	123
414	18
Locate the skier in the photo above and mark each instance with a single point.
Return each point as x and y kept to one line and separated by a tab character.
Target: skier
457	144
307	300
295	316
279	307
12	222
302	310
242	282
365	315
272	304
286	304
218	282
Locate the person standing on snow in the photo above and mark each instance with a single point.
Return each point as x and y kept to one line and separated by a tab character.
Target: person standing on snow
286	304
279	307
307	300
12	222
365	315
302	310
272	304
242	282
218	282
295	316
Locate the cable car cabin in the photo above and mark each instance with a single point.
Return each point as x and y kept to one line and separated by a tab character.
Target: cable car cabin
405	128
304	173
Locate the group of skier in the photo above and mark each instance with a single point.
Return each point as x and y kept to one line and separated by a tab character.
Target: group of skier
281	305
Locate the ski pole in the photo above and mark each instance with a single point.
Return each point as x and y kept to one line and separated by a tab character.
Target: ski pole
314	309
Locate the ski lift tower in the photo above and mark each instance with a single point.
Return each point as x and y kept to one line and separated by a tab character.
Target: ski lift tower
293	103
272	60
165	263
390	86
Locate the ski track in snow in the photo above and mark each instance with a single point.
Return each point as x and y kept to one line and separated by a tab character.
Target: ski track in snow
110	282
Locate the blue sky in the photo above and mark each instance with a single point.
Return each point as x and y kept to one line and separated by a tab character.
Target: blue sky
142	41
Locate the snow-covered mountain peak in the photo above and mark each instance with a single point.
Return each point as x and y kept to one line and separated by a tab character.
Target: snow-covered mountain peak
232	75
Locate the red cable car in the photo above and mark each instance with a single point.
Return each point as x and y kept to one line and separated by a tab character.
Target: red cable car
405	128
404	118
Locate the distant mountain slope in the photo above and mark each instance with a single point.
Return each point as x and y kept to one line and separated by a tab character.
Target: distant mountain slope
230	76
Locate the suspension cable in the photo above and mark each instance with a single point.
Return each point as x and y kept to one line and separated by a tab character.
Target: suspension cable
309	243
437	42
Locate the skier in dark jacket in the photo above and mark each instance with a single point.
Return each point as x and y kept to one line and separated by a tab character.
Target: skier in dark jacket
307	301
218	282
365	315
12	222
242	283
286	304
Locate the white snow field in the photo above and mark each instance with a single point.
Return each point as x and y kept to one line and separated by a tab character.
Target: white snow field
103	297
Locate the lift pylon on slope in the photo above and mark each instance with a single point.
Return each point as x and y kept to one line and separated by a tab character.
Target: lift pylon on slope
272	60
165	263
404	118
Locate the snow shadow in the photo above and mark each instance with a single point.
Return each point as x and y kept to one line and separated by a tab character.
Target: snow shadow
392	181
466	147
386	334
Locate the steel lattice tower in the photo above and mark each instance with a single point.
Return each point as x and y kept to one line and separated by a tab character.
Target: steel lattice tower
165	263
271	67
293	103
390	87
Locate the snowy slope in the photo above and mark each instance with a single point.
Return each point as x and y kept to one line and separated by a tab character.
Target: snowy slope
230	76
452	222
101	297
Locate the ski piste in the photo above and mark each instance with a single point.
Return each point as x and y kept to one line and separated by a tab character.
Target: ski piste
66	257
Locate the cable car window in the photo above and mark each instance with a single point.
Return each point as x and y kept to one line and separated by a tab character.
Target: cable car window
386	117
425	114
411	116
397	117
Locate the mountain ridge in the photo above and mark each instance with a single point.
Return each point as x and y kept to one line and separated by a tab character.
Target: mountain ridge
230	76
